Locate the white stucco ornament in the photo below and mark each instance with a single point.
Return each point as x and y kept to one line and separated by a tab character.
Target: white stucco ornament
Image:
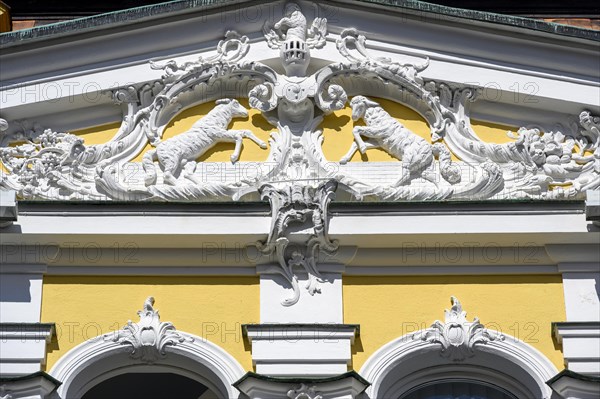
453	163
292	36
177	151
537	164
456	335
304	392
148	337
383	131
308	207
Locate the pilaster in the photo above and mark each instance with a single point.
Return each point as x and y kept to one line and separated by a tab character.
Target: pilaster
23	339
580	333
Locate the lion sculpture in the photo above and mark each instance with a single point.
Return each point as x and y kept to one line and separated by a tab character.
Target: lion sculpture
174	153
383	131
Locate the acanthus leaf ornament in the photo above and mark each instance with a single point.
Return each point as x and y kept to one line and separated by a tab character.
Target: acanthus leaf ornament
308	206
457	336
148	338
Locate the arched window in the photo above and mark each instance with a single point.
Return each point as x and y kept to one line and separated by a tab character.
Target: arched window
458	359
148	386
458	389
152	352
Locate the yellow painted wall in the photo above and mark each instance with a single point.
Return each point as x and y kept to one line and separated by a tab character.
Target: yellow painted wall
99	134
492	132
210	307
389	307
184	121
222	151
337	133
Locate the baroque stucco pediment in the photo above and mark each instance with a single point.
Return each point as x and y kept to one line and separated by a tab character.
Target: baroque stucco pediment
41	163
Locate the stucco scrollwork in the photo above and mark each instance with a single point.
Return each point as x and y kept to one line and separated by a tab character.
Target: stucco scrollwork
456	335
307	206
148	337
452	164
231	49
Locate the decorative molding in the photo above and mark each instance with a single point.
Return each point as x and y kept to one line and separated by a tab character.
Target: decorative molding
139	344
305	205
23	346
8	207
413	359
288	350
44	164
456	335
347	385
59	166
571	385
149	337
581	345
592	207
304	392
37	385
558	164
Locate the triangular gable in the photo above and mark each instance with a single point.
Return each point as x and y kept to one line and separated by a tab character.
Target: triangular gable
298	66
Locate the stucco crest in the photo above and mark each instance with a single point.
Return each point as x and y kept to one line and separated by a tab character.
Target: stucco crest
148	337
307	206
456	335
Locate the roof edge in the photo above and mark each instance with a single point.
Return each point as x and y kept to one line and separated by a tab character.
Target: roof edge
486	17
100	21
139	14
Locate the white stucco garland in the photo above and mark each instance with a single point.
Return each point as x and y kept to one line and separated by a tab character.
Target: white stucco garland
149	346
417	358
